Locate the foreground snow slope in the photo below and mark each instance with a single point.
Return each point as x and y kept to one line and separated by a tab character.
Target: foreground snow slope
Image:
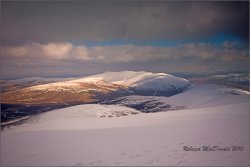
145	139
141	139
73	118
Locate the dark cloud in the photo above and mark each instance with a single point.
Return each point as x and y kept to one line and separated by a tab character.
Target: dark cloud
48	38
57	21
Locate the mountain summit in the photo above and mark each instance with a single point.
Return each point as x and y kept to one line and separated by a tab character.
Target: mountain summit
143	83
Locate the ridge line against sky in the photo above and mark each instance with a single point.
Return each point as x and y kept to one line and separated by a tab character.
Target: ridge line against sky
63	38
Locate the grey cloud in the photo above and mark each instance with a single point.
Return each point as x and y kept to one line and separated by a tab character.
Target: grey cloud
125	53
51	51
15	67
57	21
73	60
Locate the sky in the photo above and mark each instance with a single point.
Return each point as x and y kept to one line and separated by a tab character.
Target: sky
79	38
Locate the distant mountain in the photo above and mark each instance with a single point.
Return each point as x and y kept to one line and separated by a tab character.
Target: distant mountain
233	79
98	87
143	83
15	84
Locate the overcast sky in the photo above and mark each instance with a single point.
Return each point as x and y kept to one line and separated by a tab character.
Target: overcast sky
71	38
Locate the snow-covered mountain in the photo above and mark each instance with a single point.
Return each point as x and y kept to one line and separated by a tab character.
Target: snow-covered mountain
143	83
98	87
24	100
